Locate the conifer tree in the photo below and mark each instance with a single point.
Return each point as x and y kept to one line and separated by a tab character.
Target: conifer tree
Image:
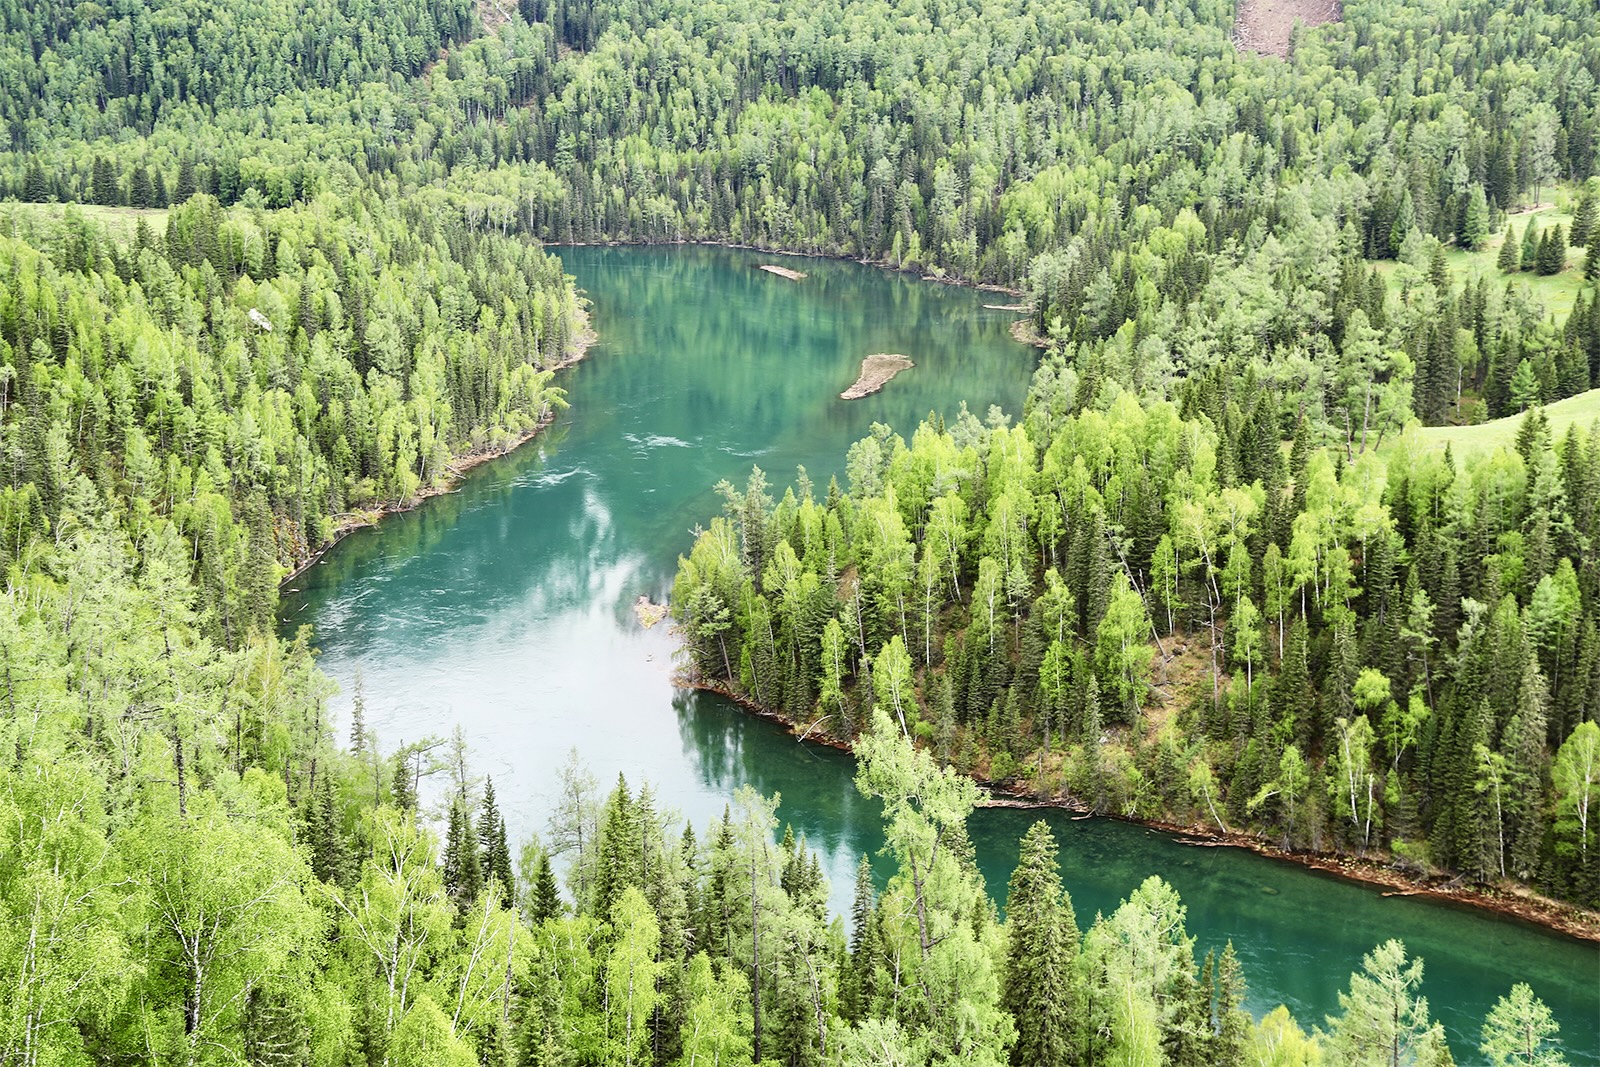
856	990
494	853
330	855
463	873
1510	258
1039	986
186	186
1475	223
402	786
1233	1024
1552	251
544	901
1520	1032
1584	218
1532	237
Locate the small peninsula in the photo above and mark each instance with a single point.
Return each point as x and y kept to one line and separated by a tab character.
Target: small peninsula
876	370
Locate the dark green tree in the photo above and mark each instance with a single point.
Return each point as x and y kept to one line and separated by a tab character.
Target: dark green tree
1039	986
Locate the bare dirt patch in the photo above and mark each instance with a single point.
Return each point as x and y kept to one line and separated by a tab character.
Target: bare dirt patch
1265	26
876	370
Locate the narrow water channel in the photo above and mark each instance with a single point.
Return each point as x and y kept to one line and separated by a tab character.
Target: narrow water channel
507	608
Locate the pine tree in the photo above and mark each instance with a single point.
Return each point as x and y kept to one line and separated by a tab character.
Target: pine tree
139	191
494	855
1233	1023
186	186
619	849
330	855
358	716
1531	238
857	991
275	1034
1384	1021
1039	987
1552	251
402	785
1510	258
103	182
1475	223
1583	219
463	873
1523	749
1405	220
35	187
544	901
1591	259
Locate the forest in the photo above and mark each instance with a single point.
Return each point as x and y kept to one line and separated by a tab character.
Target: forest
1250	279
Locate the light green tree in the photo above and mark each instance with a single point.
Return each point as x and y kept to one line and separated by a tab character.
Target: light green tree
1520	1032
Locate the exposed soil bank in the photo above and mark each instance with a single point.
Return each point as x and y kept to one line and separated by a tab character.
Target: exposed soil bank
1508	899
1266	26
876	370
457	467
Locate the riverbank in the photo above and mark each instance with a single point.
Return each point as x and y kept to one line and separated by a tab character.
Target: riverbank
881	264
457	467
1512	901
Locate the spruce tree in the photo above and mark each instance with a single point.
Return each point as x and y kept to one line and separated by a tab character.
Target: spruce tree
403	786
1510	258
856	984
1475	223
1233	1023
463	873
330	856
139	191
1530	245
35	187
1039	987
1552	251
494	854
186	186
1583	219
1591	259
544	901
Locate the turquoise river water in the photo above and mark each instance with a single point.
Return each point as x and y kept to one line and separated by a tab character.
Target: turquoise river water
507	608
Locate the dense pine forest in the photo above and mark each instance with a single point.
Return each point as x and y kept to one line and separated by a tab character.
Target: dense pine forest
1208	574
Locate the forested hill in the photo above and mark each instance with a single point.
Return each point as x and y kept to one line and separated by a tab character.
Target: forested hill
1171	204
333	288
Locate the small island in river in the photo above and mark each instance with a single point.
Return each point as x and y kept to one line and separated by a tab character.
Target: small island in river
876	370
783	272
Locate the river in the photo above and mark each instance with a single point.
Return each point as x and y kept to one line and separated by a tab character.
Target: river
506	608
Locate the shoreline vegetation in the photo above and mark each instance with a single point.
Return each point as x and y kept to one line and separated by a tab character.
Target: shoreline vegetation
458	467
915	269
877	370
1511	902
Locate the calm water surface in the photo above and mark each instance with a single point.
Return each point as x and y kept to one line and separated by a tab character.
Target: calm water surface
507	608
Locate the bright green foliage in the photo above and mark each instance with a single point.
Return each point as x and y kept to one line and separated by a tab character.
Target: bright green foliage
1384	1022
1519	1032
716	1027
631	974
424	1039
938	925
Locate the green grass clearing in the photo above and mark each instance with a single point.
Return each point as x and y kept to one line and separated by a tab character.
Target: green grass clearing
1557	293
119	222
1581	410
